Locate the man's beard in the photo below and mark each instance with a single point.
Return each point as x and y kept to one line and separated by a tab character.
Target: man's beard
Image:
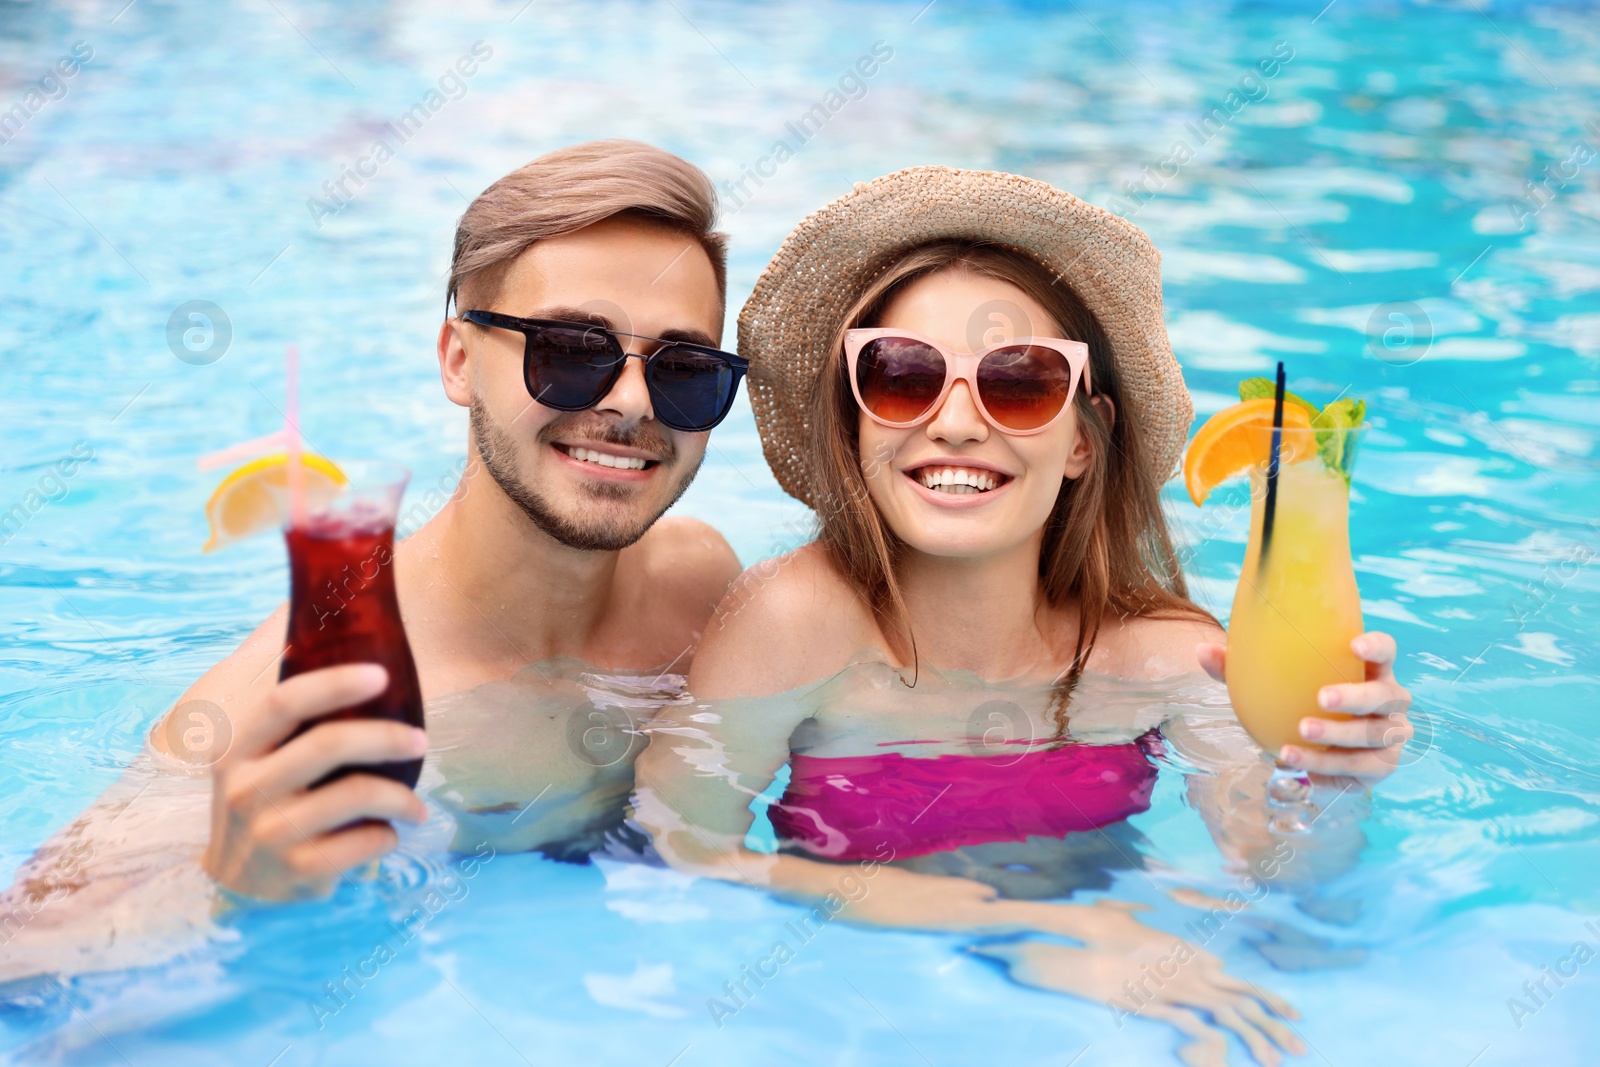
498	451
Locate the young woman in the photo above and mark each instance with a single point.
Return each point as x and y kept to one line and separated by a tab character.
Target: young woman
966	375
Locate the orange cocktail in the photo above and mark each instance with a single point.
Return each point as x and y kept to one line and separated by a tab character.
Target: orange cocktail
1297	608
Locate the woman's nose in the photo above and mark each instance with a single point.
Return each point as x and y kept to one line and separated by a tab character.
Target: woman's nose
958	419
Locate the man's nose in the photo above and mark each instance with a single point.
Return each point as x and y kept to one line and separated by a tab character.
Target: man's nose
629	399
958	419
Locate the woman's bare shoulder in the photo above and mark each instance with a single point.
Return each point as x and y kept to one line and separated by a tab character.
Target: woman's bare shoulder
786	622
1141	648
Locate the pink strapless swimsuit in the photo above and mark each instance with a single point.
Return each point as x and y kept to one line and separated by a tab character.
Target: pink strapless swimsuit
850	807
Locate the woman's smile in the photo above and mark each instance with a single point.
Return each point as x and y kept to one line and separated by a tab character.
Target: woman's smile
948	482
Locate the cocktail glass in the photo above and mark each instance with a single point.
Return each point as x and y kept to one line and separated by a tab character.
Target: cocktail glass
1297	607
342	602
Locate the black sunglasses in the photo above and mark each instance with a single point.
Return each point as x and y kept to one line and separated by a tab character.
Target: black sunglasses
570	366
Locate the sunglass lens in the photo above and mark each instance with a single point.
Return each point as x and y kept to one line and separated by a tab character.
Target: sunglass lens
898	378
690	389
1025	386
570	367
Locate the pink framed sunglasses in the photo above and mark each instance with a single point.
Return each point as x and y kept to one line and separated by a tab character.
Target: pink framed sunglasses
1021	386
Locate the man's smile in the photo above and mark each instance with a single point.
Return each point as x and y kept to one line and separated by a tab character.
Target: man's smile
597	459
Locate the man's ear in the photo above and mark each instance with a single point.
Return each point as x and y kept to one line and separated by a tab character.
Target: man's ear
454	361
1082	450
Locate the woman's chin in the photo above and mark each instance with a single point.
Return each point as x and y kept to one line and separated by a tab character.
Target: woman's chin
962	538
981	528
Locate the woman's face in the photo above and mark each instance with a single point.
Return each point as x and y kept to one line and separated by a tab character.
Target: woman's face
966	312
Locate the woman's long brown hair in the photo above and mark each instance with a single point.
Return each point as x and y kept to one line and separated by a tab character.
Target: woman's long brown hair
1106	540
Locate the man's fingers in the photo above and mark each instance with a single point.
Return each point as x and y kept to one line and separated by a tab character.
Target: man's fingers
1364	698
353	797
331	745
332	855
315	693
1364	731
309	696
1212	659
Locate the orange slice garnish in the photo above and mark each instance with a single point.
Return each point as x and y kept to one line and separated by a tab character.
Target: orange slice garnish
1229	444
244	504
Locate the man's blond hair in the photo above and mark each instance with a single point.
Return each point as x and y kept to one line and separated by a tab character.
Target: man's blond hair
570	188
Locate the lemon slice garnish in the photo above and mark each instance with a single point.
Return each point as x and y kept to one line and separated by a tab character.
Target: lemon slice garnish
244	504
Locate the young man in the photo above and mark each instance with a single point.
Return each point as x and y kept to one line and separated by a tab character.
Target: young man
550	546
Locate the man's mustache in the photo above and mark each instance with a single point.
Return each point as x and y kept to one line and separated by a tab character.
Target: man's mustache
588	426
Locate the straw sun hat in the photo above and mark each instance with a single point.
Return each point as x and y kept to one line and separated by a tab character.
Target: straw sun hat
787	327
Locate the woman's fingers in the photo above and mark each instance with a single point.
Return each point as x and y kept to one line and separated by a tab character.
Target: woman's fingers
1262	1049
1129	906
1004	952
1276	1029
1364	698
1378	729
1212	659
1232	1003
1223	980
1355	763
1181	999
1377	648
1364	731
1207	1047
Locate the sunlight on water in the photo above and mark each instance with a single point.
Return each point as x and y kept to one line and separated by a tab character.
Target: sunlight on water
1399	201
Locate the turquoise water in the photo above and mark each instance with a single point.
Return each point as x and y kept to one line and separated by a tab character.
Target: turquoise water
1363	213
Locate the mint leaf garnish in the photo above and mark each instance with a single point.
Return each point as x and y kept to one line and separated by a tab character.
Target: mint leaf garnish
1343	414
1266	389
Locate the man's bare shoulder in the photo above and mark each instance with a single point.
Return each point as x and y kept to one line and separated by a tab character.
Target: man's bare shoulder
1145	649
785	622
796	588
686	562
238	683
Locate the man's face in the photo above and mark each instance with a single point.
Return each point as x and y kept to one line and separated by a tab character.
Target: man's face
623	274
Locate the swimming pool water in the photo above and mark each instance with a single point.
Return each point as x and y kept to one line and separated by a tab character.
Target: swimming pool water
1364	212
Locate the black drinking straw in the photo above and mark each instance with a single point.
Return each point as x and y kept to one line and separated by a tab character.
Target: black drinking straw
1272	464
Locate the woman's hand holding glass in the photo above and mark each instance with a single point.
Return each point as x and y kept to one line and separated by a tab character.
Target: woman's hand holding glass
1367	746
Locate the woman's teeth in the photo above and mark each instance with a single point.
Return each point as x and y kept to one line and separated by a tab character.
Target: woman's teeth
605	459
957	480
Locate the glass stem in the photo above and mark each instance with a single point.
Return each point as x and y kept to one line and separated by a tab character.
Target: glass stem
1289	806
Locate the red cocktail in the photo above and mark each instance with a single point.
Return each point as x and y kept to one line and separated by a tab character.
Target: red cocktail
342	602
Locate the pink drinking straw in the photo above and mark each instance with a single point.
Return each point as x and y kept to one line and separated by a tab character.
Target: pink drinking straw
227	457
291	437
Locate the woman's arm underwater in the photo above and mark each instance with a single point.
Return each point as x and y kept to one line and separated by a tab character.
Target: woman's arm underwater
706	762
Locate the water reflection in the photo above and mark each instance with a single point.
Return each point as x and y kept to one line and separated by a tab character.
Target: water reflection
544	761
